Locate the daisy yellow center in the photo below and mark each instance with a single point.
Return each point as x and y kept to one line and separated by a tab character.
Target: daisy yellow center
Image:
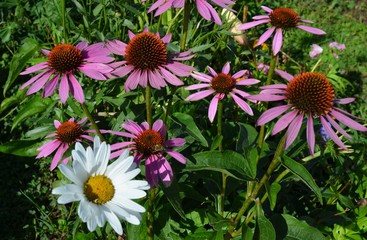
311	92
223	83
99	189
65	58
69	132
149	141
146	51
284	18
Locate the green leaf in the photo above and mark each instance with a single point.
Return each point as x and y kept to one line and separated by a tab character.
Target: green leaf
264	228
190	127
216	142
246	138
34	106
19	60
201	47
247	233
273	191
24	148
173	196
12	100
229	162
290	228
300	171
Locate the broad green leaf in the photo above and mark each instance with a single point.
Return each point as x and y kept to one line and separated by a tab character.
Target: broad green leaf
190	127
24	148
300	171
19	60
34	106
226	162
290	228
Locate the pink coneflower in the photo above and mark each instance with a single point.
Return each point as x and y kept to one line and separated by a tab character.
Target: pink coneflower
150	144
64	61
308	95
67	134
280	19
204	8
221	84
147	59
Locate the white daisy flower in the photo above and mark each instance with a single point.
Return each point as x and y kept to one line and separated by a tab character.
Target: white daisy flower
105	191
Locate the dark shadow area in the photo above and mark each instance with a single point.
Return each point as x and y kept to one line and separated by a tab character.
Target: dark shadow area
15	174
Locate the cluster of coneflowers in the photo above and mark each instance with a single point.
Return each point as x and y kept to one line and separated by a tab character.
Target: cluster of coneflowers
106	191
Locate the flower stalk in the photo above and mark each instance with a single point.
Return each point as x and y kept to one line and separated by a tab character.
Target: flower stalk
246	204
91	120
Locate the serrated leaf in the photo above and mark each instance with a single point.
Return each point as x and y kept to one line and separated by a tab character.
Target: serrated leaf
228	162
34	106
290	228
300	171
19	60
190	127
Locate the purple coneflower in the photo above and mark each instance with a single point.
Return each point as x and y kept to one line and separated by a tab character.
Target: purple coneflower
67	134
149	144
147	59
64	61
221	84
308	95
280	19
204	8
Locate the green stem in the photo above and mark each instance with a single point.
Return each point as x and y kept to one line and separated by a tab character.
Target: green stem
150	212
220	148
150	215
91	120
268	82
63	16
148	104
220	123
170	103
246	204
186	20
